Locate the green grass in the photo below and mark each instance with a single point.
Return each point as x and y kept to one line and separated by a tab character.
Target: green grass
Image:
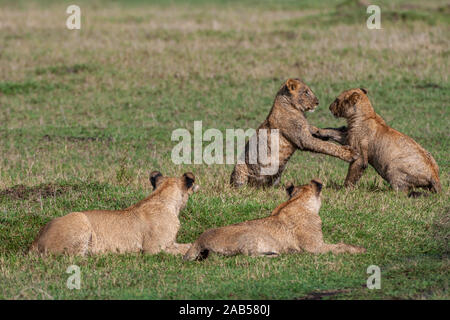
86	115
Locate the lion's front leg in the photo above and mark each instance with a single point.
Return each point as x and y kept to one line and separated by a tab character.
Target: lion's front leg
338	135
303	139
357	168
178	248
355	172
239	176
345	152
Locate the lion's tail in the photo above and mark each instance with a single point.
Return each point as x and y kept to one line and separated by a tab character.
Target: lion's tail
436	185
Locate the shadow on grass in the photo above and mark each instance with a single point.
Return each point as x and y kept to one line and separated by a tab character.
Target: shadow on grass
43	191
369	187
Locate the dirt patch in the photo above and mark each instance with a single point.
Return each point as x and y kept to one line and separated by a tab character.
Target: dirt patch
62	70
428	86
22	192
444	9
77	139
319	295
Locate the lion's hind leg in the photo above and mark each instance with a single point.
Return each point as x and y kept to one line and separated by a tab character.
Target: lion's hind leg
262	245
71	234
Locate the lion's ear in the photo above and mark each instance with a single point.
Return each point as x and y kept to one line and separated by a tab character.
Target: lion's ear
292	85
317	184
155	178
354	98
189	179
289	189
363	90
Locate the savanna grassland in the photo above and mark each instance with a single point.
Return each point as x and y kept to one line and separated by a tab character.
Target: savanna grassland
86	115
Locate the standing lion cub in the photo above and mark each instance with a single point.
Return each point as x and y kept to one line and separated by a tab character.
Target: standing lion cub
396	157
150	226
294	226
287	115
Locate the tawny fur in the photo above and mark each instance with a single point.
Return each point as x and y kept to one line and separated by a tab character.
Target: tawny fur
150	226
288	116
294	226
396	157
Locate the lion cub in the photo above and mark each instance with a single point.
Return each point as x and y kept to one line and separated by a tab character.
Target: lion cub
294	226
396	157
150	226
287	115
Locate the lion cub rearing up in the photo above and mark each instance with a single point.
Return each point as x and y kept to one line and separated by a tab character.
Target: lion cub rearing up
396	157
294	226
150	226
288	116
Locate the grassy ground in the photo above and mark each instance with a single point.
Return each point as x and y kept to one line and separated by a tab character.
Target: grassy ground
86	115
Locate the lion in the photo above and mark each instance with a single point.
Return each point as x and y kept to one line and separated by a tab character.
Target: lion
287	115
400	160
149	226
294	226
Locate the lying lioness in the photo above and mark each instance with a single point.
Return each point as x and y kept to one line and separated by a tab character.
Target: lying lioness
149	226
294	226
396	157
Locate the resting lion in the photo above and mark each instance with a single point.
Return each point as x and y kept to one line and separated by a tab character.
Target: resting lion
149	226
294	226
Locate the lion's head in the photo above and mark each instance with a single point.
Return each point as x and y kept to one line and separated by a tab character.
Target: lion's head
299	95
347	103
